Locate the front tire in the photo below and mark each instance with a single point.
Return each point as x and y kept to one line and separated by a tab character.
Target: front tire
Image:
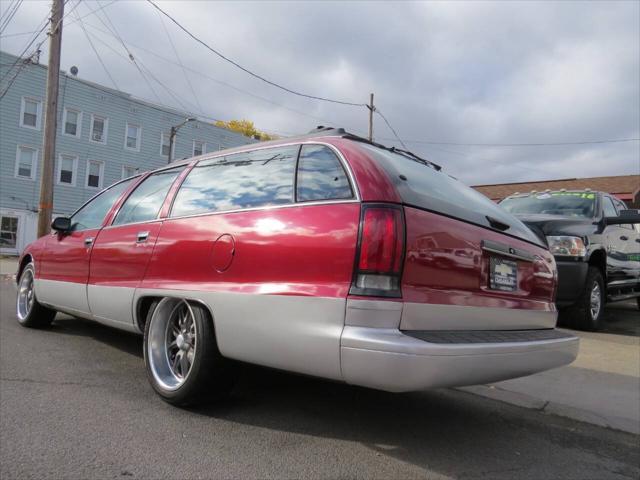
30	312
587	312
181	356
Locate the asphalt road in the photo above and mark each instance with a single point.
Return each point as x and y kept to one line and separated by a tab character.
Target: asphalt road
75	403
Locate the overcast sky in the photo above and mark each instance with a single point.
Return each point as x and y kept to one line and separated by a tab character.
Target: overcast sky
453	72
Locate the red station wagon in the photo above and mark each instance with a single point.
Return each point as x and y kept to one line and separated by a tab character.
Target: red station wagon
326	255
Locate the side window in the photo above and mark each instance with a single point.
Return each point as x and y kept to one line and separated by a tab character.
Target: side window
621	206
145	201
609	209
93	213
243	180
321	175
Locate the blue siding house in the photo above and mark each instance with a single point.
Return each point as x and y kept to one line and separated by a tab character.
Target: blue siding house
103	135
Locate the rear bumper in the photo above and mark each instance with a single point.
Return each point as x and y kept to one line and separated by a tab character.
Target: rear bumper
388	359
571	278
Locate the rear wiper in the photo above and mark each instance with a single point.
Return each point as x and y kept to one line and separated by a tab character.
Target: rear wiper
413	156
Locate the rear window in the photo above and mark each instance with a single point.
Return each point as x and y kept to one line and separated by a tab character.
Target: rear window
243	180
568	204
438	192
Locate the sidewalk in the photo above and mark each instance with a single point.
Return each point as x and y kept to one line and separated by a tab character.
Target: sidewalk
8	265
601	387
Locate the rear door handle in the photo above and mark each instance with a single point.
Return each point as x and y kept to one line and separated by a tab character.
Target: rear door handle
624	237
142	237
88	241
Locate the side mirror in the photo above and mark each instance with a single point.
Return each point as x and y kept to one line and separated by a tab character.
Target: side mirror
627	217
61	224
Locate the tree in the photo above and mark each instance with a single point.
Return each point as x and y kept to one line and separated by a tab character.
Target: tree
246	128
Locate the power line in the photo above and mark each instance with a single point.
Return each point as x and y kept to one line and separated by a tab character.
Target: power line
213	79
246	70
96	52
376	110
131	57
552	144
175	51
11	12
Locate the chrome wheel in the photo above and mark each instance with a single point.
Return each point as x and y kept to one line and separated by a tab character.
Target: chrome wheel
26	295
595	300
172	342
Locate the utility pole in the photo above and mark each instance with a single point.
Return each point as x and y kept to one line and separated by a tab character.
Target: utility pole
371	109
172	136
50	119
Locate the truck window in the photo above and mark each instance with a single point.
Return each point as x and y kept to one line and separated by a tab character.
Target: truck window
243	180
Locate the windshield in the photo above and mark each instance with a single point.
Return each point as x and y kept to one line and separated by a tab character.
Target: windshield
426	187
568	204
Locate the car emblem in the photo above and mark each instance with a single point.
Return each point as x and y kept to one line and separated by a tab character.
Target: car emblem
512	250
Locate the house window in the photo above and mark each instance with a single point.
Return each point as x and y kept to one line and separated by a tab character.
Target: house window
95	174
99	126
26	162
30	113
72	122
8	231
67	167
128	171
164	144
199	148
132	140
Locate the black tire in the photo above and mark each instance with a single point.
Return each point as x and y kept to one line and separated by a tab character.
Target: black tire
210	377
580	315
31	314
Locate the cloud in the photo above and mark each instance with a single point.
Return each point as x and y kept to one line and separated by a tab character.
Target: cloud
466	72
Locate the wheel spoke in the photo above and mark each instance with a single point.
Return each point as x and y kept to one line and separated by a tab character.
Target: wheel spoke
184	365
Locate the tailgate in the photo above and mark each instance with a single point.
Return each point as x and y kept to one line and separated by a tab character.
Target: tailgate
459	276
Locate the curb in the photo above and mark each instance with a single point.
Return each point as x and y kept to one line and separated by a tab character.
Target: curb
552	408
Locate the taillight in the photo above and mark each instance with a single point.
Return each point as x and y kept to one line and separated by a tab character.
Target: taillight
380	251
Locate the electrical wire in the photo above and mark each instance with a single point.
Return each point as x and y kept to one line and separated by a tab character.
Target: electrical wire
552	144
7	20
96	52
246	70
376	110
175	51
131	57
213	79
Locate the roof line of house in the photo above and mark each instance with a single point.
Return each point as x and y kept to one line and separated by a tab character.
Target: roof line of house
125	95
549	181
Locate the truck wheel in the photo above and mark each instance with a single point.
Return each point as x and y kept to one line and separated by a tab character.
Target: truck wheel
30	312
181	356
587	312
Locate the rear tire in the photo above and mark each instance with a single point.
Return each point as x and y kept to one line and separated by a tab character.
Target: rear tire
30	312
181	356
587	312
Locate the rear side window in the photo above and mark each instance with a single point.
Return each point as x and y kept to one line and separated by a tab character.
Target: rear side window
438	192
609	209
321	175
243	180
92	214
145	201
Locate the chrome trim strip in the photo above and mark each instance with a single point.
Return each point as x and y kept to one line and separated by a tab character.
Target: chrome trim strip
508	254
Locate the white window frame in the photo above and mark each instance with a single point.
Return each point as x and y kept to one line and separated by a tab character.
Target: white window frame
64	122
138	139
204	147
124	167
173	147
74	174
34	163
86	176
38	112
105	131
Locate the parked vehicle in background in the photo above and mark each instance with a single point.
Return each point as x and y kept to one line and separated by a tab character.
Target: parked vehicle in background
306	254
596	245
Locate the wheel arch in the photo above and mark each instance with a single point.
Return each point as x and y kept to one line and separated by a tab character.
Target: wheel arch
598	259
144	303
24	261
